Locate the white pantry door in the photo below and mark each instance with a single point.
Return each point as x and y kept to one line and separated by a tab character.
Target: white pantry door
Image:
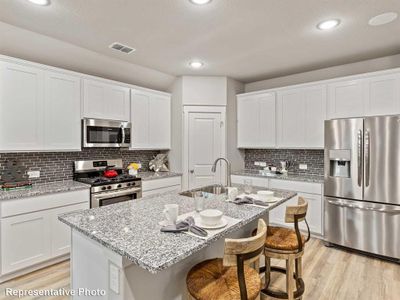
206	133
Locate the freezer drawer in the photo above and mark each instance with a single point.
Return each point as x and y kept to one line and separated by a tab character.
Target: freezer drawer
369	227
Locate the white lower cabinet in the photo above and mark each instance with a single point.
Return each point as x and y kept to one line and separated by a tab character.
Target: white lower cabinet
31	238
61	233
311	192
25	241
162	185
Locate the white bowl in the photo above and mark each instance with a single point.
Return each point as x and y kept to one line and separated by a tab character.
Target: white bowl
265	195
211	216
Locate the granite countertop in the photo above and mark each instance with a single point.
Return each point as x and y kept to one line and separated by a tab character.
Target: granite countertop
159	175
44	188
131	228
293	177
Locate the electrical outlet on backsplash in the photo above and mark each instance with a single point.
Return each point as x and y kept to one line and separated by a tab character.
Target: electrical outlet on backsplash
314	159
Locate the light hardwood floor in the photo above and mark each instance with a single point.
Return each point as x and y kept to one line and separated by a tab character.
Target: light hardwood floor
329	274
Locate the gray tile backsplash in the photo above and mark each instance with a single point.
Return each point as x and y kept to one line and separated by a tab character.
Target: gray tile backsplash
55	166
313	158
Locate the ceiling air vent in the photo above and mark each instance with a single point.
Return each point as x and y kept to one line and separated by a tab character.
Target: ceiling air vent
122	48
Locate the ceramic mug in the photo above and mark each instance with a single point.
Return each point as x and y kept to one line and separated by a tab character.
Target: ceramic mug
171	212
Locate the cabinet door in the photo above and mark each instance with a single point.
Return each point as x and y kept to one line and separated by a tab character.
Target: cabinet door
117	103
267	122
277	214
94	101
25	241
160	122
346	99
315	116
105	101
256	121
21	107
291	118
314	213
140	112
60	232
383	96
62	130
248	122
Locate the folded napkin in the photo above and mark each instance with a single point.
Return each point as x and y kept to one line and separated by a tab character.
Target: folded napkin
249	200
186	225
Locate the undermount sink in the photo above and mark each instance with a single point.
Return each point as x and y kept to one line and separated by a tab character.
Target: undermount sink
215	189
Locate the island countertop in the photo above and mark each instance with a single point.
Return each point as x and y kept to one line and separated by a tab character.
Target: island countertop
132	228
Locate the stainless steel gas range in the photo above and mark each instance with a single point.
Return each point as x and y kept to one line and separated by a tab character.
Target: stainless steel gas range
108	182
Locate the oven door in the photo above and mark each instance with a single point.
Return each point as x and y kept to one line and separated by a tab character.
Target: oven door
107	198
105	133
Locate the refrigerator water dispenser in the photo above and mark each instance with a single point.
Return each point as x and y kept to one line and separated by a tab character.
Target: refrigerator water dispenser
340	163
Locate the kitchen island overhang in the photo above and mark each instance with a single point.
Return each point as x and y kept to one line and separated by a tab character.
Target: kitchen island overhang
120	248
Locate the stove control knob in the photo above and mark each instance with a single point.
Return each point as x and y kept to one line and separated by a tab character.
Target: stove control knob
109	187
119	185
103	188
128	184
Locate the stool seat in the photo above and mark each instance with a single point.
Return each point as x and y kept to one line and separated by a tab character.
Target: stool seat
283	239
210	280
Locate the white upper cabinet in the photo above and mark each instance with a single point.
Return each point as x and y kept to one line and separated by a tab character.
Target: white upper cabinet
105	101
39	110
368	96
256	121
346	99
300	117
383	95
21	107
62	105
151	120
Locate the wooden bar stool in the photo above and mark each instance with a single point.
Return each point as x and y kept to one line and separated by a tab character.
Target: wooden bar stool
287	244
230	278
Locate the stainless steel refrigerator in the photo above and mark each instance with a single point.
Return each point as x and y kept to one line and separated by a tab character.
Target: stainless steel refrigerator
362	184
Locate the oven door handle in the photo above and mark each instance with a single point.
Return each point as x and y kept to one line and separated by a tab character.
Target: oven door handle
117	194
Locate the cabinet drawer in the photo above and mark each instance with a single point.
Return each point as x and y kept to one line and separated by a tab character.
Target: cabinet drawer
176	188
296	186
256	181
27	205
148	185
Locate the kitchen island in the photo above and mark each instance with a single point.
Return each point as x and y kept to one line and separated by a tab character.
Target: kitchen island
120	248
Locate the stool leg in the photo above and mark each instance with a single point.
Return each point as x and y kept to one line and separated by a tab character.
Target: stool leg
289	278
267	271
299	269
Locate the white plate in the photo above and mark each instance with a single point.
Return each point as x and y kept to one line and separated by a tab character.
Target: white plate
221	224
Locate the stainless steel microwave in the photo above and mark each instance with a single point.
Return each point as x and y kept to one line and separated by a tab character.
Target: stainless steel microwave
105	133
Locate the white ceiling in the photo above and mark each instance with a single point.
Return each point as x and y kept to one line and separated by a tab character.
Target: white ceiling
248	40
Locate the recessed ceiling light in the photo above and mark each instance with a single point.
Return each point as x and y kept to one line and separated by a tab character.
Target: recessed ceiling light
383	19
40	2
328	24
196	64
200	2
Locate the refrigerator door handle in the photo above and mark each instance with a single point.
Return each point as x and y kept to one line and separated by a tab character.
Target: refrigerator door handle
359	157
389	211
367	157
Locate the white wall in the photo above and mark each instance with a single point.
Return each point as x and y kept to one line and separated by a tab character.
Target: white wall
25	44
235	155
204	90
387	62
175	154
